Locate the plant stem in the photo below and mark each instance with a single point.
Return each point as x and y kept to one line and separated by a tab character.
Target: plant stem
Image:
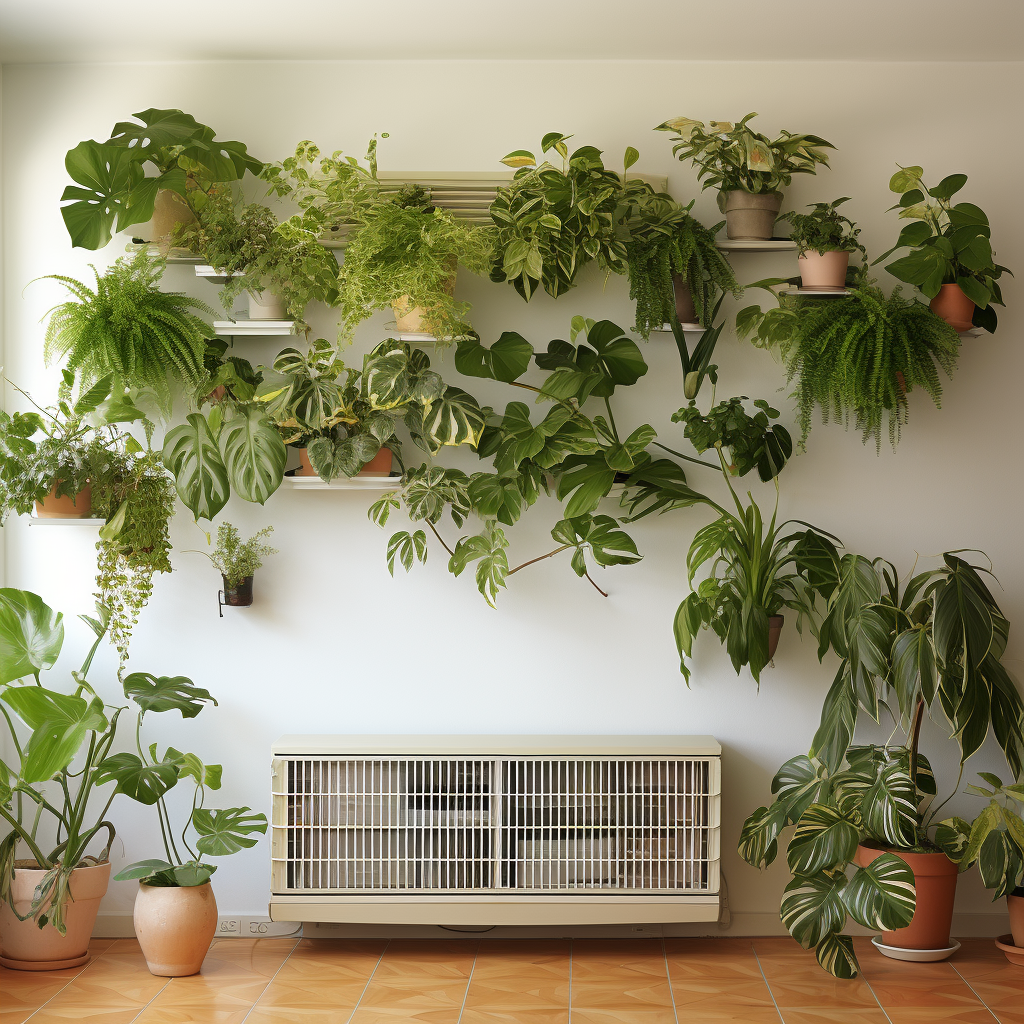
611	420
433	530
603	593
680	455
540	558
528	387
41	859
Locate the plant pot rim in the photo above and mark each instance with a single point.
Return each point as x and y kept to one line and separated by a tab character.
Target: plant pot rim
153	888
32	865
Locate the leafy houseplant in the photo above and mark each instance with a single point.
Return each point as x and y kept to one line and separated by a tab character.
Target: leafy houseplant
856	357
741	164
129	328
238	561
934	642
551	222
113	190
825	239
951	257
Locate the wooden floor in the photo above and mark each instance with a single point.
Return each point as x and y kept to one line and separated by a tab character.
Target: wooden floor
592	981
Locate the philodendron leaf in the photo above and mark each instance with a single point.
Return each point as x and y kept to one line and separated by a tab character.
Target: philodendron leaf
506	360
228	831
798	784
140	869
143	782
952	837
193	458
825	838
31	634
585	481
253	453
166	693
455	418
882	895
406	547
812	906
601	536
884	795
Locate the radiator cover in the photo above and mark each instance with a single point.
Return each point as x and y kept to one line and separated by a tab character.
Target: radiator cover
495	829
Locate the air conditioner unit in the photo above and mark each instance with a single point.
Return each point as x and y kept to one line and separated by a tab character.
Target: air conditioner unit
496	830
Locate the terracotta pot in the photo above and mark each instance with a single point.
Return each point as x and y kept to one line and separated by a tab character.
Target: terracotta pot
775	624
67	506
1015	905
175	926
750	216
379	465
240	595
686	311
935	878
954	307
26	946
169	212
409	319
823	269
265	305
305	466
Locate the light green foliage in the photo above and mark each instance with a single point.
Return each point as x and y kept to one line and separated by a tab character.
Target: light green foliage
824	229
488	550
237	559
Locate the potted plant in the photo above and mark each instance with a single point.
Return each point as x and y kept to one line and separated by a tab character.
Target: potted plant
825	239
749	169
60	743
112	190
238	561
934	642
858	357
127	327
951	258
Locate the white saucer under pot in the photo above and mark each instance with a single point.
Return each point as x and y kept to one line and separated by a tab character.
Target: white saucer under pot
920	956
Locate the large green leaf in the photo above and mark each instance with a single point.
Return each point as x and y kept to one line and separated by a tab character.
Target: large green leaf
166	693
913	668
798	784
836	955
488	550
619	357
963	618
601	536
884	795
838	719
143	782
455	418
812	906
759	836
952	837
585	481
193	458
31	634
253	453
825	838
882	894
225	832
506	360
497	495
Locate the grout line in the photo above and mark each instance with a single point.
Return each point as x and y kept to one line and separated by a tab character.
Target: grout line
766	985
295	946
875	994
668	974
571	941
462	1009
368	980
976	996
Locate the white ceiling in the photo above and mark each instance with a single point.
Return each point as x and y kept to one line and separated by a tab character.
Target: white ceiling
886	30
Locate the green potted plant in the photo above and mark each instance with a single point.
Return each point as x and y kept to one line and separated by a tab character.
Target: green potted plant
238	560
857	358
175	909
51	783
934	642
113	191
825	239
749	169
127	327
950	256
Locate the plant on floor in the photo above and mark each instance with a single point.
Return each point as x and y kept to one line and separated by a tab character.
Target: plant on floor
857	358
949	243
146	338
824	229
733	157
237	559
932	643
551	222
113	190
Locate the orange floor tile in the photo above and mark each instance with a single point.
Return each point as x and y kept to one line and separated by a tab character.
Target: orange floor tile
480	981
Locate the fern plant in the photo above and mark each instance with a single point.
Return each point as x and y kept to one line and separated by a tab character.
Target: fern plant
129	328
238	559
856	358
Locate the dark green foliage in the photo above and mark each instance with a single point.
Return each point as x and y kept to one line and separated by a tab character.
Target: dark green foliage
824	229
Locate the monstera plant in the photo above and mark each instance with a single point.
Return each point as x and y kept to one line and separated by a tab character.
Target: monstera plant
931	644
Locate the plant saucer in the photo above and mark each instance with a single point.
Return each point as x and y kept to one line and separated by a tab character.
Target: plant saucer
1015	954
920	956
42	965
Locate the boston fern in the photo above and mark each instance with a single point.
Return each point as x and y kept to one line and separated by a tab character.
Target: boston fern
858	357
129	328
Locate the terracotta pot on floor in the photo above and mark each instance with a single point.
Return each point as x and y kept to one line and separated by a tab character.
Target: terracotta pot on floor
954	307
409	317
823	269
67	506
686	311
750	216
175	926
1015	905
935	878
27	947
169	211
775	624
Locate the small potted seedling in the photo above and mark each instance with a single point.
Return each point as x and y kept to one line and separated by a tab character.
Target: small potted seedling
238	561
825	239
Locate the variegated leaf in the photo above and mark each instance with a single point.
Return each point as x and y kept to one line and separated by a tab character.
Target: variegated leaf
825	838
835	954
882	895
812	907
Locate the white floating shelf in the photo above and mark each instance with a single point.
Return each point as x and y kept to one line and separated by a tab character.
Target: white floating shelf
211	274
427	339
174	255
34	520
687	329
974	332
756	245
253	328
351	483
833	293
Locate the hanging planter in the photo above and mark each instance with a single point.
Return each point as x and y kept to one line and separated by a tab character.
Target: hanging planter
66	506
237	595
775	624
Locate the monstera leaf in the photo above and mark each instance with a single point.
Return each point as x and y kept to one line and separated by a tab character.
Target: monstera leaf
813	907
143	782
506	360
406	547
488	550
825	838
585	481
31	634
759	836
253	453
455	418
225	832
166	693
881	895
193	458
601	536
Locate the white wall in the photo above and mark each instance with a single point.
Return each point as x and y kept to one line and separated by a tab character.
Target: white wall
333	643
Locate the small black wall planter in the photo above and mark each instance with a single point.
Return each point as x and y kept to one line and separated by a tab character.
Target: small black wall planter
238	596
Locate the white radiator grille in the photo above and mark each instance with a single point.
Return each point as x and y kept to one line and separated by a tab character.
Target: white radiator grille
495	824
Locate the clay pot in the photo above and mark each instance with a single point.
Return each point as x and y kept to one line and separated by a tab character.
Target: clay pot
27	947
305	466
954	307
240	595
935	878
409	319
750	216
67	506
379	465
265	305
1015	905
823	269
175	926
775	624
169	212
686	311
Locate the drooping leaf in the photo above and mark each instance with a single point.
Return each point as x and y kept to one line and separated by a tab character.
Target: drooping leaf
225	832
488	550
166	693
585	480
882	895
31	634
812	906
194	460
836	955
253	453
759	836
143	782
506	360
825	838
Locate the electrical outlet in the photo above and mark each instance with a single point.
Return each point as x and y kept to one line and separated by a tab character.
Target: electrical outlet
265	927
259	927
229	926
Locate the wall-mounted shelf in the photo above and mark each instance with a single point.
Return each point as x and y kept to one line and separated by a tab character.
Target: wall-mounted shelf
816	293
172	255
96	522
352	483
974	332
756	245
687	329
211	274
254	328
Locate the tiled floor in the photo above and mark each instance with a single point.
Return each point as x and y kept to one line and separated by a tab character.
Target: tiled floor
465	981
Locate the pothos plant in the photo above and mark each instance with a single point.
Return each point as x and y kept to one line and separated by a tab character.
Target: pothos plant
933	644
824	229
577	455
